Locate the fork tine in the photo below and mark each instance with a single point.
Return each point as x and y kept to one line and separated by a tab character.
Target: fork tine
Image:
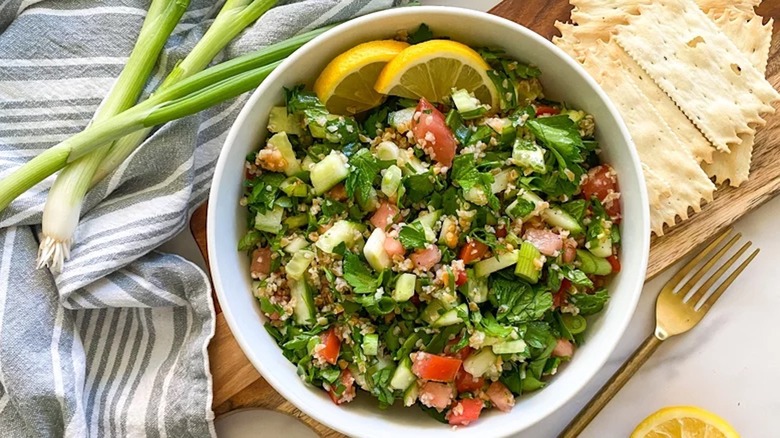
677	278
730	279
697	296
704	269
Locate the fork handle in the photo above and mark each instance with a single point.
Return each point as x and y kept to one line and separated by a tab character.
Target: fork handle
615	383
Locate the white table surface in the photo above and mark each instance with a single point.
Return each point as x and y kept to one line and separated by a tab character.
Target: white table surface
729	364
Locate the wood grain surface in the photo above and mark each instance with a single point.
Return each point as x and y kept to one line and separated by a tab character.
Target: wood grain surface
238	385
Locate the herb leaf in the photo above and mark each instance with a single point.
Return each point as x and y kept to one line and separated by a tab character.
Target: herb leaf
560	134
358	275
468	177
364	170
590	304
423	33
412	236
518	302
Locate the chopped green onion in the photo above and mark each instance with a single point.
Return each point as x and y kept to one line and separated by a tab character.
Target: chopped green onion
575	324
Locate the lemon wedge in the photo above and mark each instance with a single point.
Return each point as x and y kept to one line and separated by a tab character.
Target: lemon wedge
346	85
433	68
684	422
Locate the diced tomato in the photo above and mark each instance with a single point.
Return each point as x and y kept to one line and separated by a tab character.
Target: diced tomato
501	232
461	354
432	134
601	182
615	262
393	246
473	251
559	297
544	110
546	241
436	395
465	411
501	396
461	277
434	367
332	343
465	382
261	261
349	389
384	215
337	193
569	250
563	348
424	259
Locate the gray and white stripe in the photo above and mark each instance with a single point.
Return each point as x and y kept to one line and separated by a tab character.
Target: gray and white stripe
115	345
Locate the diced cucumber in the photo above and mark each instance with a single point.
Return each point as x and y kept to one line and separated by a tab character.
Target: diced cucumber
401	120
591	264
558	218
410	395
433	311
387	150
502	179
476	195
328	172
498	262
509	347
455	122
294	186
504	128
403	376
526	206
449	232
404	287
475	288
528	263
303	310
452	316
296	245
528	155
601	247
429	219
468	106
342	231
307	162
480	362
298	264
280	121
297	221
428	222
391	179
374	251
270	221
283	145
574	115
370	344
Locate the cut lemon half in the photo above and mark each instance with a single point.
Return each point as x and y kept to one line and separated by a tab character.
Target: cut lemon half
433	68
346	85
684	422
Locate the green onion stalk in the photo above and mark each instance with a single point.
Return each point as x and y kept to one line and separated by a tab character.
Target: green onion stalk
76	179
186	98
211	86
232	19
63	204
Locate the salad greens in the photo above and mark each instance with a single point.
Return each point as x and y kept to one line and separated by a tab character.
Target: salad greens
455	285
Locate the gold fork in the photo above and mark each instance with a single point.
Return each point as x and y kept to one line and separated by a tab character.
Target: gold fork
674	315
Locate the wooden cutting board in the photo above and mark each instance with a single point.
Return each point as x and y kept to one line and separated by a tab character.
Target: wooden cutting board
238	385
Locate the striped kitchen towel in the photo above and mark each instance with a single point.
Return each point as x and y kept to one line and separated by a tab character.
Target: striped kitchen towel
115	345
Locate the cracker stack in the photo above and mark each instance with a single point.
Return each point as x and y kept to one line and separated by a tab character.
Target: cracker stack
688	79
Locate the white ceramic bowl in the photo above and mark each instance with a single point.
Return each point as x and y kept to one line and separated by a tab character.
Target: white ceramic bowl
564	80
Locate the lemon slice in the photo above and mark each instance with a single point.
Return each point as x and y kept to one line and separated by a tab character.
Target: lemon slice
684	422
433	68
346	85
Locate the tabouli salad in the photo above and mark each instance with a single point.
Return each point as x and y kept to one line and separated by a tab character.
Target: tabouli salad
440	255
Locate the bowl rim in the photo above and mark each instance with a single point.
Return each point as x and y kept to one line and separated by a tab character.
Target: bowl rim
221	167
